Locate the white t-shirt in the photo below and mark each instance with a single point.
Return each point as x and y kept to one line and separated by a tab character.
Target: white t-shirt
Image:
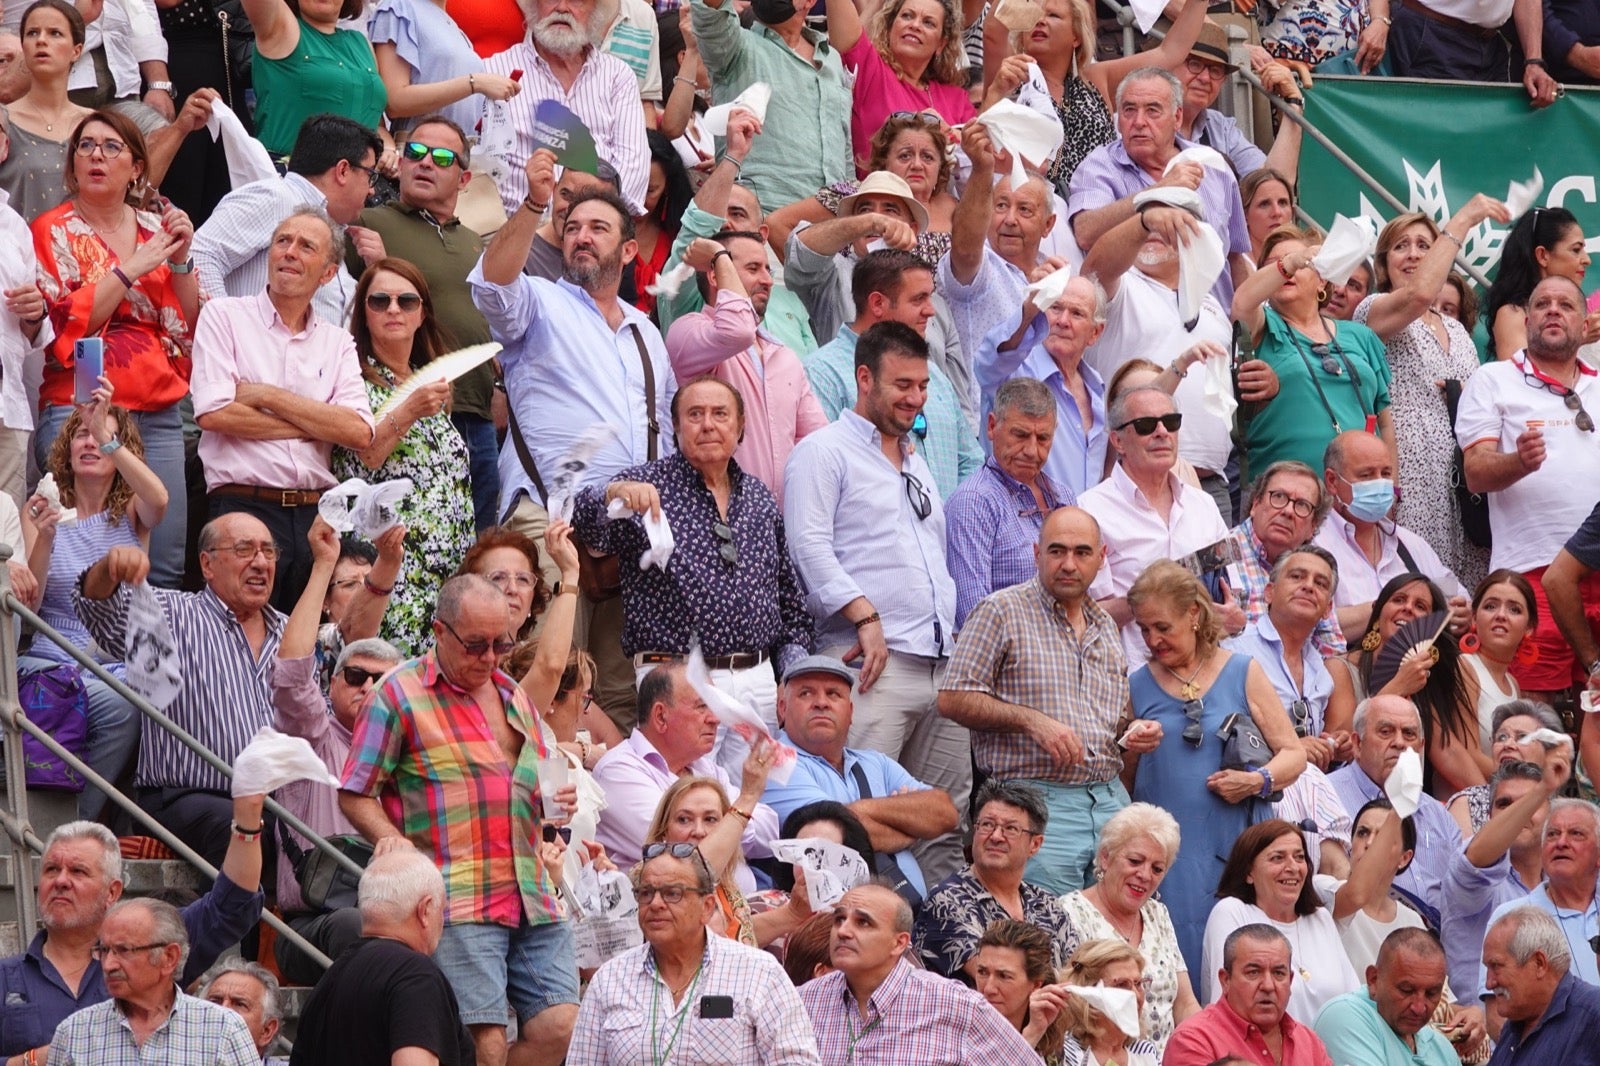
1142	322
1321	968
1361	933
1533	518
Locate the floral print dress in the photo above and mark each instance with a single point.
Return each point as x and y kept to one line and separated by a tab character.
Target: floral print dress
437	515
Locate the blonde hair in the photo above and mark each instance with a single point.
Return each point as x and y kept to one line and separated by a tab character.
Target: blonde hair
945	65
670	799
1166	582
1085	968
1081	14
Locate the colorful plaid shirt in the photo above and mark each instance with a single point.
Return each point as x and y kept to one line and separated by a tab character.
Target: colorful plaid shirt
913	1016
1018	646
1249	577
424	748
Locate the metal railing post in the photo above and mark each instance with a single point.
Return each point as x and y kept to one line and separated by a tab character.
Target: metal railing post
15	762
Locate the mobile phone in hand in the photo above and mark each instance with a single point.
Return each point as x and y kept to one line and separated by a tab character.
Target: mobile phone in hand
88	359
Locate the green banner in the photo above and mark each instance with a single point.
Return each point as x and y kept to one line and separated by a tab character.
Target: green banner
1433	145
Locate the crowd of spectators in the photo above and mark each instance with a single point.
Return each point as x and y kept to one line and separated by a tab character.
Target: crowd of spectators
1051	576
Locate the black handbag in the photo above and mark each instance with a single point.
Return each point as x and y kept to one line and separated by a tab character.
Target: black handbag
1244	748
1474	506
325	884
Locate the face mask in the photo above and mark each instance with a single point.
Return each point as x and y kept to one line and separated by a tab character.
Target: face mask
772	12
1371	500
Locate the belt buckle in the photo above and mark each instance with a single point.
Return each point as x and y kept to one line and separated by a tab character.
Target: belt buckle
290	498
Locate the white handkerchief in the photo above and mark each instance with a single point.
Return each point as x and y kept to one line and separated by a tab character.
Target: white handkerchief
1349	244
367	510
1145	13
1219	399
586	819
1199	153
273	759
656	529
1035	93
1523	194
52	493
1549	738
247	157
667	284
1404	784
1023	132
563	486
1117	1004
1588	702
149	652
1048	290
607	921
753	100
737	716
831	869
1199	263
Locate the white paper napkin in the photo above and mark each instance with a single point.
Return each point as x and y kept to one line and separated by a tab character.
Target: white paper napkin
1350	243
737	716
670	281
1523	194
1117	1004
1023	132
754	100
658	530
247	157
1404	784
1048	290
831	869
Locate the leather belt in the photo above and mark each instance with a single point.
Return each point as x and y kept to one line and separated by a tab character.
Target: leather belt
1483	33
281	497
743	660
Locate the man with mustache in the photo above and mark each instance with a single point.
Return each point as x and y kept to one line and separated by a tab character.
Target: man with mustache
1550	1014
559	60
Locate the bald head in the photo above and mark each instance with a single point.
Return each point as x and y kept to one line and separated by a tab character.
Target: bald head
1069	555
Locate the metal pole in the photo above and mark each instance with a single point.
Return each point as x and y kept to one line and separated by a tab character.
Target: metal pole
16	764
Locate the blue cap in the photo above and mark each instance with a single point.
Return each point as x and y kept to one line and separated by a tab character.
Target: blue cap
820	664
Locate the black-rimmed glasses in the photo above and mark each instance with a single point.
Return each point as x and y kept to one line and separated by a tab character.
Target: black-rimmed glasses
108	147
1147	425
1277	499
1192	710
1583	420
918	496
726	548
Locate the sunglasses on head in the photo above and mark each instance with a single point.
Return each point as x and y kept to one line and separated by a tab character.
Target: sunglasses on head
441	157
382	301
927	118
355	677
1147	425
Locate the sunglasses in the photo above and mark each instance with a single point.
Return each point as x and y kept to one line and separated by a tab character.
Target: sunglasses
1147	425
1192	710
926	118
382	301
355	677
442	158
726	548
683	850
1300	714
477	649
918	496
1330	365
1584	420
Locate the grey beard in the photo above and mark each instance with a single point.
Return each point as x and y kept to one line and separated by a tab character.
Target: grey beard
559	38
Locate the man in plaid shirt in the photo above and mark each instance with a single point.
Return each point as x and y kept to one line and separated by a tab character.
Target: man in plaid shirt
444	758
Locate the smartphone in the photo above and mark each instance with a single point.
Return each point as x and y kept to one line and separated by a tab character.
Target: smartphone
88	360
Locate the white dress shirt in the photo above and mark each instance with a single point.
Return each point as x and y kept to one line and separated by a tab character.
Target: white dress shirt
1360	581
20	360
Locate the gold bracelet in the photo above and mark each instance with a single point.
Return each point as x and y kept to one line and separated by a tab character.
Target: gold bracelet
472	87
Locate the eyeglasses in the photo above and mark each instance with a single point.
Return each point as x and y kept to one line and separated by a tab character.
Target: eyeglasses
1300	715
1147	425
1330	365
1515	738
371	172
920	502
988	827
670	894
1192	710
1196	65
106	951
727	548
1584	420
1277	499
108	148
504	580
443	158
919	426
926	118
382	301
478	648
355	677
247	549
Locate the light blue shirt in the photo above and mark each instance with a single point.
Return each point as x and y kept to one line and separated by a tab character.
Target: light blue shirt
1576	926
435	49
567	370
1077	460
853	532
950	448
1468	896
1353	1031
814	778
1260	641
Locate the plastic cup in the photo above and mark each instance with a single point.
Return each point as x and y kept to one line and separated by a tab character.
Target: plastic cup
553	774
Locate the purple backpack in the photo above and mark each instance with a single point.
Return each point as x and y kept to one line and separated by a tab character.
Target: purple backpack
55	700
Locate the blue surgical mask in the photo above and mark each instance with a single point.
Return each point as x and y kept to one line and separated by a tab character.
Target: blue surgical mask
1370	501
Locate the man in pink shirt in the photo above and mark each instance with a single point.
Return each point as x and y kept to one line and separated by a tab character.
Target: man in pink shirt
1251	1021
275	388
726	338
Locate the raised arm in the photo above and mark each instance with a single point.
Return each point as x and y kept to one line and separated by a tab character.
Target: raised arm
507	253
1114	254
1371	874
969	226
1169	54
844	24
408	99
543	678
276	27
1396	309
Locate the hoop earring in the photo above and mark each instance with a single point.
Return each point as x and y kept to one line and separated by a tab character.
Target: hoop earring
1371	641
1469	642
1526	655
1322	295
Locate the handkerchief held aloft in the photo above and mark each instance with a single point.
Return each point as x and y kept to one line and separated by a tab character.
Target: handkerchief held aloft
367	510
562	485
1219	399
753	100
150	653
248	159
1026	134
831	869
1403	786
1118	1005
1145	14
1048	290
670	281
273	759
737	716
1350	243
656	529
1524	194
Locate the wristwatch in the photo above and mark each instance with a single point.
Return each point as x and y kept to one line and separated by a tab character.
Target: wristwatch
158	86
111	446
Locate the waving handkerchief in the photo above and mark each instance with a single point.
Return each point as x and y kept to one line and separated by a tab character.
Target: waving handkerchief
753	100
48	488
1048	290
1350	243
247	157
737	716
568	476
656	529
669	282
1145	14
1035	92
1403	786
1199	153
273	759
1522	194
831	869
1117	1004
367	510
1023	132
607	921
1200	261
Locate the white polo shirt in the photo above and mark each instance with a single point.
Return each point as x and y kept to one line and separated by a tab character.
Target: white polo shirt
1135	536
1533	518
1142	321
1360	581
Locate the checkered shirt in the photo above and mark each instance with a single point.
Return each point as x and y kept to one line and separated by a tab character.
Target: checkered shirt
196	1033
1249	577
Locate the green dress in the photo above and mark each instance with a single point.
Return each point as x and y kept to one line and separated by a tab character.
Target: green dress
437	514
327	72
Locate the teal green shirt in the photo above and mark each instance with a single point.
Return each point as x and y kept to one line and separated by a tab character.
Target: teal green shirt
327	72
1353	1032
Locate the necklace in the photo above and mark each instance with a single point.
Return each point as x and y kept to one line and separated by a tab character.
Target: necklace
1299	953
1187	688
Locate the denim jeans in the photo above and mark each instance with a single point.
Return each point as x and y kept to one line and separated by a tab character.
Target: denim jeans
483	452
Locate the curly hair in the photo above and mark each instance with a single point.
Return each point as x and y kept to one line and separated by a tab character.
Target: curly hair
890	131
945	66
59	462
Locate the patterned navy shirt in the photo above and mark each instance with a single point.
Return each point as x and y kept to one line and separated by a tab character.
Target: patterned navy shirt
752	605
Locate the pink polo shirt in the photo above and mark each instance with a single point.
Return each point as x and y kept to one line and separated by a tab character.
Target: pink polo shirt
779	406
1217	1031
879	92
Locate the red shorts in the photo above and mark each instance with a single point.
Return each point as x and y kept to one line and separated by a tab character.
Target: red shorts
1557	668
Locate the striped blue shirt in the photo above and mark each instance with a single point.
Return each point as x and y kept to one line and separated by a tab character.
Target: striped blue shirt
225	697
78	546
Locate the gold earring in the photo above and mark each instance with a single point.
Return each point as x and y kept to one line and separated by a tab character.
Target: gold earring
1371	641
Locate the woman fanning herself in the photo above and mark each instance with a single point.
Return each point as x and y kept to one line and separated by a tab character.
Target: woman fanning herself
906	57
1425	349
396	334
1332	375
110	269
